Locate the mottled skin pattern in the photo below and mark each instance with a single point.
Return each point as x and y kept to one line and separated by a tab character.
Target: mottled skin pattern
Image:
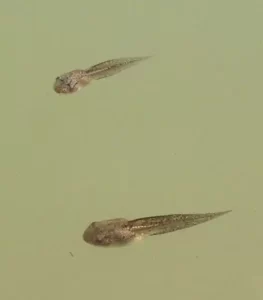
75	80
71	82
120	232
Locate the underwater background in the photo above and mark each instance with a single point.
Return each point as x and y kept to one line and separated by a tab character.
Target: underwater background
179	133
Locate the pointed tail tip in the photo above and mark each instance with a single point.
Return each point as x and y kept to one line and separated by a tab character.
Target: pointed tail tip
227	211
221	213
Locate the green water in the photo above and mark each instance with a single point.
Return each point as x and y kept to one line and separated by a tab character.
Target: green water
179	133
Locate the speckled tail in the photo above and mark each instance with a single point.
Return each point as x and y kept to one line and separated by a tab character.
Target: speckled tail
112	67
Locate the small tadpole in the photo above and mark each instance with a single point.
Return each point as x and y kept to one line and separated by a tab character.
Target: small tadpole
72	255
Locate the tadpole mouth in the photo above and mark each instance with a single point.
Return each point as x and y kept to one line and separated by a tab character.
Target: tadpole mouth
60	87
57	89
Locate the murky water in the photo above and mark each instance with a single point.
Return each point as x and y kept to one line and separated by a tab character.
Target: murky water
180	133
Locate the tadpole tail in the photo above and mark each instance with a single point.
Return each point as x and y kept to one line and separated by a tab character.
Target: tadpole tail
112	67
168	223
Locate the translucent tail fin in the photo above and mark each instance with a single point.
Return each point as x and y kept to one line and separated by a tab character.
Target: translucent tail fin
112	67
164	224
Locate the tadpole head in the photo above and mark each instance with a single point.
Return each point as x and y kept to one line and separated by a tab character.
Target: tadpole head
61	86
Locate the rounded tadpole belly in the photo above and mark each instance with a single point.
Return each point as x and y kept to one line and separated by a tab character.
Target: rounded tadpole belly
71	82
107	233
